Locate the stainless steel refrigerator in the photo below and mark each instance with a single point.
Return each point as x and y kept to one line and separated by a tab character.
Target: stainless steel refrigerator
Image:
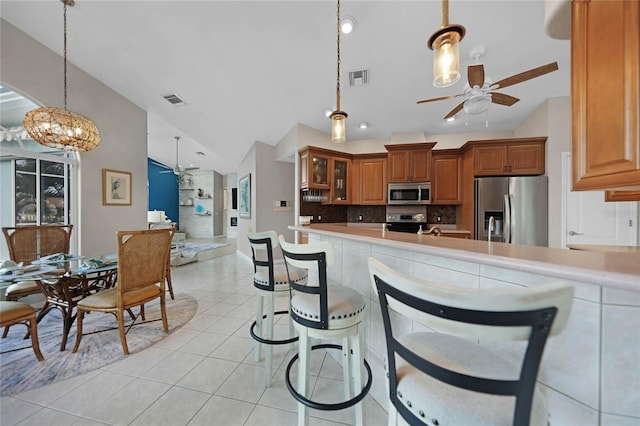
512	209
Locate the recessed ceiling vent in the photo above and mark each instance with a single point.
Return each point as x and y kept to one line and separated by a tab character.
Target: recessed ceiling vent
174	99
358	78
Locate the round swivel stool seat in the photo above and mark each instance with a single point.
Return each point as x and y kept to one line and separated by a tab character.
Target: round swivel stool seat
325	311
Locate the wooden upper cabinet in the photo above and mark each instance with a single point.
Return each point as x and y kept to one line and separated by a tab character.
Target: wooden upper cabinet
328	171
605	94
447	174
409	162
514	157
371	178
314	169
340	175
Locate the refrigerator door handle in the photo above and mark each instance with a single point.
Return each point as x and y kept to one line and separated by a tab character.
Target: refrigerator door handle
507	219
513	223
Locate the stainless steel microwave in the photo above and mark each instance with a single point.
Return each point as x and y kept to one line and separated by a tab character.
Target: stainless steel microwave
408	193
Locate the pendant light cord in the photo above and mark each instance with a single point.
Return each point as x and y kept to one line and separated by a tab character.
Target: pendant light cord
445	13
65	55
338	78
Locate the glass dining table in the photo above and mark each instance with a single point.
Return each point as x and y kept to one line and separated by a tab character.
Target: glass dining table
64	286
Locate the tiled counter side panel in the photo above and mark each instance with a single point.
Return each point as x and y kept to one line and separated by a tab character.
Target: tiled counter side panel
570	376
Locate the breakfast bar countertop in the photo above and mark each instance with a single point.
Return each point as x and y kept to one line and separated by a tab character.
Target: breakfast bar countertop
610	269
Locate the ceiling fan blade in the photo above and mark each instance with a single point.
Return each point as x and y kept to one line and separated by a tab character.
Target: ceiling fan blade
475	75
188	169
441	98
527	75
502	99
166	171
454	111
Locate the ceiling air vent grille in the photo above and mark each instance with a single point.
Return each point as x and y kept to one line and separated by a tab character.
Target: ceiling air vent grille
174	99
358	78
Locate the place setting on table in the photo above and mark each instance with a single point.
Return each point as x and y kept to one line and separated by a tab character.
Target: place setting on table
11	271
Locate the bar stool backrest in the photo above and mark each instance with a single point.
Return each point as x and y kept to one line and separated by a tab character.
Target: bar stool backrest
313	257
530	314
262	246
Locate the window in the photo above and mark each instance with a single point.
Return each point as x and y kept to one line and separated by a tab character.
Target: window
41	192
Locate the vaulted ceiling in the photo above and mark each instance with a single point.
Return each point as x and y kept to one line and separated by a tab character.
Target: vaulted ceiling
249	71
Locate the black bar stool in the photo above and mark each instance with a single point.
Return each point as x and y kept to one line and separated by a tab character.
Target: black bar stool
270	280
323	310
446	377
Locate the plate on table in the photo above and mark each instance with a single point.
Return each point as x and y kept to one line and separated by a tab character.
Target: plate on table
51	260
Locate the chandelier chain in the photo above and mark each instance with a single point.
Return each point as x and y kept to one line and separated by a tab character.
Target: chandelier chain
65	55
338	77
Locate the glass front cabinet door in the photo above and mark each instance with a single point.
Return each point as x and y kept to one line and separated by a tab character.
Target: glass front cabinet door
314	170
340	179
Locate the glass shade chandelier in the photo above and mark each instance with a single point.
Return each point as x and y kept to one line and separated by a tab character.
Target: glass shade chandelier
338	117
60	128
446	54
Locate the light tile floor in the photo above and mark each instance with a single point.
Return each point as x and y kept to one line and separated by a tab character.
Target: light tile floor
203	374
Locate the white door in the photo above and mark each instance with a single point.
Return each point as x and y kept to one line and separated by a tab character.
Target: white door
588	219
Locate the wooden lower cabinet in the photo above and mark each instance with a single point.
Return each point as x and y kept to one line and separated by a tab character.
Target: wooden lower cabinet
463	235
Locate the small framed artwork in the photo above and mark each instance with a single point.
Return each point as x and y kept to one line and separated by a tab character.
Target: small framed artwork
244	197
116	188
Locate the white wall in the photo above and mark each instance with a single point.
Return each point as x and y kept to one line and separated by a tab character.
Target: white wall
276	183
271	180
246	226
552	119
308	136
36	72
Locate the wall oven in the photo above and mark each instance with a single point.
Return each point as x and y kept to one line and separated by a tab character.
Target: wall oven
409	193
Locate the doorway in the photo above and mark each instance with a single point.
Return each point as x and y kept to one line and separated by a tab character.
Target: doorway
588	219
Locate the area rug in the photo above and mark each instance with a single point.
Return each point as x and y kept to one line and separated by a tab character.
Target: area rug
20	370
191	249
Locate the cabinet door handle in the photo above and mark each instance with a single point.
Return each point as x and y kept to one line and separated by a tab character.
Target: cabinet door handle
575	233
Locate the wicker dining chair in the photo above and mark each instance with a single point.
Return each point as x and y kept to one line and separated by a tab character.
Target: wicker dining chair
142	271
166	225
28	243
12	313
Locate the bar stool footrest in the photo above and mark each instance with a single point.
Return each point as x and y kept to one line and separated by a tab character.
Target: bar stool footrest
322	406
267	341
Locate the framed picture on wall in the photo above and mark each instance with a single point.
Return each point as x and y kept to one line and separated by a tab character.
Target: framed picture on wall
244	197
116	188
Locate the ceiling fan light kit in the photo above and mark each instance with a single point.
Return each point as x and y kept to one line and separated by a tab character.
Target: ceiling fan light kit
480	91
338	117
60	128
445	43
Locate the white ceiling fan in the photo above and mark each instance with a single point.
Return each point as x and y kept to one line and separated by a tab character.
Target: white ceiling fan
177	170
480	92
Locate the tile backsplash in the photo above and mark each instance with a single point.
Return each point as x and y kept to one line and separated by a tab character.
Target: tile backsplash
370	214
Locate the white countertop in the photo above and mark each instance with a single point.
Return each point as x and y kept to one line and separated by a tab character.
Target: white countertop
610	269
